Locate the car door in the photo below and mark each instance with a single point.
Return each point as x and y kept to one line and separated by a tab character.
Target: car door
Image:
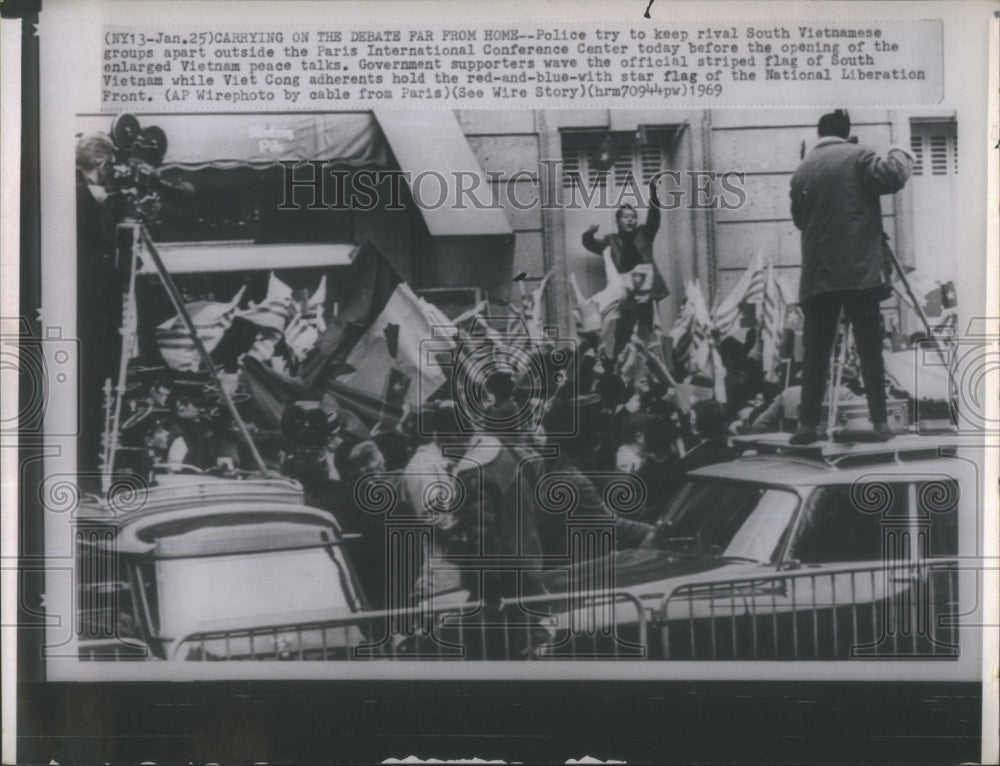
856	580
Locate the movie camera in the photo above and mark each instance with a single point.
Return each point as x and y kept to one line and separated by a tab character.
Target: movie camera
135	182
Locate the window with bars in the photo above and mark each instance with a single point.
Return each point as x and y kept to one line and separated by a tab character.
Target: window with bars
935	148
585	155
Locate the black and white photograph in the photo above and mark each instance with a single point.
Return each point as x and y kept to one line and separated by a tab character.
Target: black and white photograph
374	427
645	350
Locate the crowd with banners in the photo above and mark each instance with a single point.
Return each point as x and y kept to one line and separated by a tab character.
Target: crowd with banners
384	383
353	375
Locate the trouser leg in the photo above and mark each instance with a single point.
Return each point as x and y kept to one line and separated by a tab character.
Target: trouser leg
862	309
820	314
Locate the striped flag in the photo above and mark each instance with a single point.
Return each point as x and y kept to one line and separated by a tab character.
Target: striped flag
705	355
749	289
773	305
275	310
211	319
692	340
680	334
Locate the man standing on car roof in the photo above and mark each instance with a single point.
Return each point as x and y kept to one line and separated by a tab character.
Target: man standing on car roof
835	203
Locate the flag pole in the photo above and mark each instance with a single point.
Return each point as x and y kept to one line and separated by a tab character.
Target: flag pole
175	298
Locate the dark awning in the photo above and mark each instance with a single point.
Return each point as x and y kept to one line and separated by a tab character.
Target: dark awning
262	140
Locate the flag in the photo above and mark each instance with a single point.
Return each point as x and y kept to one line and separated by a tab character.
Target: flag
748	289
270	390
706	355
701	331
937	299
354	348
680	333
693	342
275	310
211	319
307	323
532	309
773	305
599	312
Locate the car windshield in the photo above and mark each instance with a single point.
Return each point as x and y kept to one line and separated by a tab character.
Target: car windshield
198	586
729	519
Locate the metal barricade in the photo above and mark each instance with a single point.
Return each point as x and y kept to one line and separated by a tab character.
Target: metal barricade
588	626
829	613
843	612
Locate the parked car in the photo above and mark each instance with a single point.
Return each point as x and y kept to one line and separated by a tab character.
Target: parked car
198	556
827	551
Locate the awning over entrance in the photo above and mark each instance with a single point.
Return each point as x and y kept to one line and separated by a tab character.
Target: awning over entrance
182	258
262	140
431	141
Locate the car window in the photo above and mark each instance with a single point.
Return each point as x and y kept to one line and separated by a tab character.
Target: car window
835	527
199	591
938	501
736	519
761	534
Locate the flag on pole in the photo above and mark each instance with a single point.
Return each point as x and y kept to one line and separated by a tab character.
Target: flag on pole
681	333
307	322
694	346
531	307
938	300
379	328
704	353
748	289
211	319
773	308
275	310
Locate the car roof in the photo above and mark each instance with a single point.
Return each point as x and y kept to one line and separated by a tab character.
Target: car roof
179	491
259	537
769	459
224	527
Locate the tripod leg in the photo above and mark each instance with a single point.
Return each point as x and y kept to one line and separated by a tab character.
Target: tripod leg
837	370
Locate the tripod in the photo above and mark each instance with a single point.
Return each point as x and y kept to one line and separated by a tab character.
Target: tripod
837	361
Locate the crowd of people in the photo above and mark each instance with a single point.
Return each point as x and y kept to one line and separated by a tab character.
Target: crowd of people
477	478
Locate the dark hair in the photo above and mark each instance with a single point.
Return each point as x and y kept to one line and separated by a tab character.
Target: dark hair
835	123
621	211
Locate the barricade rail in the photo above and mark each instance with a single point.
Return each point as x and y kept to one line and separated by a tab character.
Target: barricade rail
839	612
904	611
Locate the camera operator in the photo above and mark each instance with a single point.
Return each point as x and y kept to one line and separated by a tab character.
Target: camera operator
99	295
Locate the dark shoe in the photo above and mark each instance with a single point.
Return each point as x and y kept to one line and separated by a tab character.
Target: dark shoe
863	435
883	432
806	435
